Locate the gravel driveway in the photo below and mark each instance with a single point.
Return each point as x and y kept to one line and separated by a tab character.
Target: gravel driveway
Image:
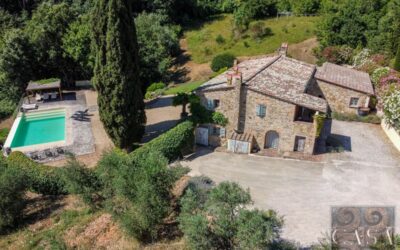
303	192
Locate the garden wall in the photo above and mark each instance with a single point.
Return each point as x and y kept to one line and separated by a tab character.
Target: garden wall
393	135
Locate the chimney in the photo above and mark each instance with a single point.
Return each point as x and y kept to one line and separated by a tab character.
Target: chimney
238	83
283	49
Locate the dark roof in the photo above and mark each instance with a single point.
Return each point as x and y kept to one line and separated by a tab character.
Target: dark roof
38	86
277	76
345	77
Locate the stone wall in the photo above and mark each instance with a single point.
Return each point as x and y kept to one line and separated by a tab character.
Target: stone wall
338	98
280	118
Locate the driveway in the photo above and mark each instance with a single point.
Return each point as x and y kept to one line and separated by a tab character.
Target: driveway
161	116
364	143
366	174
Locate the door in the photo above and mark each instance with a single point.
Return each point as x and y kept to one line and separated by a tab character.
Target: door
240	147
202	136
272	140
299	144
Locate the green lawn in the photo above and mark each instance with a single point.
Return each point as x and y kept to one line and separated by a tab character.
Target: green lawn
183	87
203	46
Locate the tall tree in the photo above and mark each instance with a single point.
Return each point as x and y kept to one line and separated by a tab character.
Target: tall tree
116	72
397	59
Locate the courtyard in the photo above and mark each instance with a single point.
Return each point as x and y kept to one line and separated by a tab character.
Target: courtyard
303	192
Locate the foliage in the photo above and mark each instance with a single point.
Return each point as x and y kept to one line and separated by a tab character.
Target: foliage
80	180
183	88
378	74
258	30
116	73
183	99
76	43
337	54
171	144
220	119
217	218
222	61
154	94
220	39
320	119
41	179
47	81
304	7
158	42
12	189
3	135
155	86
397	60
392	109
372	118
204	37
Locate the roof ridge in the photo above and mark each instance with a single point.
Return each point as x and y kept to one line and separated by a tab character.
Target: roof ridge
262	69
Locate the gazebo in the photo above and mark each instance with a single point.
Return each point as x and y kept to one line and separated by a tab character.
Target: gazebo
44	86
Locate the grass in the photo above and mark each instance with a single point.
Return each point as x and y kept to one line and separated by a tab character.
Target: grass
3	135
47	81
371	118
183	87
203	46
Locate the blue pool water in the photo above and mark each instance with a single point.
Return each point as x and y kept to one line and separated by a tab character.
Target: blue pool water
40	128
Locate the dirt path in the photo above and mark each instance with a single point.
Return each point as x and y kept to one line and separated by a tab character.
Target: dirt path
186	69
304	51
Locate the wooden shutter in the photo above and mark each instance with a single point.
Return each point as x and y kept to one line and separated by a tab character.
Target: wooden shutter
258	110
222	132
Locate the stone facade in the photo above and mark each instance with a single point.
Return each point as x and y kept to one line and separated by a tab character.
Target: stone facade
280	117
338	97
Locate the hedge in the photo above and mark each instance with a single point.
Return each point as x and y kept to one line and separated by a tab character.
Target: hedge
222	61
3	135
371	118
41	179
170	144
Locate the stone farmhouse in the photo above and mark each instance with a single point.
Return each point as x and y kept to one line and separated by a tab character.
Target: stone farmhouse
271	103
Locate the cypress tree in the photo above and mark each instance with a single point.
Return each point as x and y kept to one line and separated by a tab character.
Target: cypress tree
116	72
397	60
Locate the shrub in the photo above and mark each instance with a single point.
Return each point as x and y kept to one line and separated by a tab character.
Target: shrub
12	189
396	65
41	179
338	55
232	225
171	144
378	74
392	109
220	119
258	30
222	61
220	39
3	135
371	118
81	181
155	86
154	94
7	108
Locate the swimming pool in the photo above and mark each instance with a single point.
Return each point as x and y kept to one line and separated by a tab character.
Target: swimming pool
38	128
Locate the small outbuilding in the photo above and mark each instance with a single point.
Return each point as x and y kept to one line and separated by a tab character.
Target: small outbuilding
44	89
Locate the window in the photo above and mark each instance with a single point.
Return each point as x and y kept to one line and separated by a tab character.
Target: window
299	144
212	104
261	110
354	102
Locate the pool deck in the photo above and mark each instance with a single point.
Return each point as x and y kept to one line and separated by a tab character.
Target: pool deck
83	134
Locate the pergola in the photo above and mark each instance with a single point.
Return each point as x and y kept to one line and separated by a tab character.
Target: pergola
34	87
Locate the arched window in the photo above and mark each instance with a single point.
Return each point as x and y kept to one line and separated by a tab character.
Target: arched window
272	139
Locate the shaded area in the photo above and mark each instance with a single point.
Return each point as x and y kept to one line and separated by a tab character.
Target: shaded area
154	130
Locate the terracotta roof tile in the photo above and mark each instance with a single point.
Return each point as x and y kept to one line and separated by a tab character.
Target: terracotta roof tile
345	77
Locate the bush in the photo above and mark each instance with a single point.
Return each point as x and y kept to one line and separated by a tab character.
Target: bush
41	179
220	119
81	181
258	30
371	118
220	39
171	144
12	189
7	108
392	109
154	94
233	226
155	86
222	61
3	135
